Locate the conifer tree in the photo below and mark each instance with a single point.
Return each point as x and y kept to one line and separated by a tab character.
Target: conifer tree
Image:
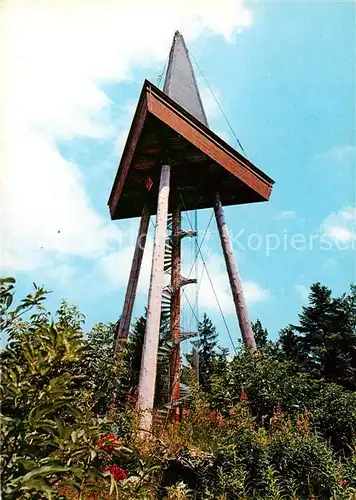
206	346
324	342
260	334
135	345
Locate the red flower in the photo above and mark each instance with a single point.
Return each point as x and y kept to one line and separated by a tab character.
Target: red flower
131	399
243	396
116	471
342	482
108	442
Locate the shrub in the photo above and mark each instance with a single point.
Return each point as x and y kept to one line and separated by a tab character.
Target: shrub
49	435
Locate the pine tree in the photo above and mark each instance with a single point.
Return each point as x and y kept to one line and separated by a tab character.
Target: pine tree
135	345
324	342
206	346
260	334
292	346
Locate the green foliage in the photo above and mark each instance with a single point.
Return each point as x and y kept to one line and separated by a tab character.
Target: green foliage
276	424
179	491
135	345
285	460
49	434
206	350
269	382
11	323
104	373
135	350
324	342
260	334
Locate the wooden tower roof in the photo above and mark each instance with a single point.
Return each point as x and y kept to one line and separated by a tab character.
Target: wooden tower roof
180	83
170	126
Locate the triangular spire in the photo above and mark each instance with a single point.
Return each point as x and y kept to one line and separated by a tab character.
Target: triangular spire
180	83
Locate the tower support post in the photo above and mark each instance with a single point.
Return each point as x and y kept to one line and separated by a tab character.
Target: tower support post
234	276
148	371
175	311
130	296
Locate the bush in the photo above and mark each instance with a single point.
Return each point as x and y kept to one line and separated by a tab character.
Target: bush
49	431
260	429
270	382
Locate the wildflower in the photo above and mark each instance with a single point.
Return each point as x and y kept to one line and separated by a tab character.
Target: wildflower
302	423
131	399
342	482
219	419
243	396
116	471
108	442
232	412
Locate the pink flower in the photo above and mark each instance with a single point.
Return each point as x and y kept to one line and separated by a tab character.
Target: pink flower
232	412
116	471
342	482
131	399
219	419
243	396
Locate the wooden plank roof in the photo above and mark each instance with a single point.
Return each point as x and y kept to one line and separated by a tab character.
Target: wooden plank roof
202	163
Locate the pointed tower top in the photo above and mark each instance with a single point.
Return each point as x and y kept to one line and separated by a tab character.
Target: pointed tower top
180	83
171	125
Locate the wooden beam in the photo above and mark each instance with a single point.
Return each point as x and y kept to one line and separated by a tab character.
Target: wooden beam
175	310
130	148
234	277
200	139
130	296
148	372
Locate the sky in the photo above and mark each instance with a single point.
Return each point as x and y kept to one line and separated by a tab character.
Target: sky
284	75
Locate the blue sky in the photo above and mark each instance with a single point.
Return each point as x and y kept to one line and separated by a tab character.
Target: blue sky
284	73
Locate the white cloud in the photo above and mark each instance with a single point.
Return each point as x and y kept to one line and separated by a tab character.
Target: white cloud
216	120
287	215
55	58
303	292
341	226
254	293
329	263
126	116
45	208
209	102
117	266
340	233
338	154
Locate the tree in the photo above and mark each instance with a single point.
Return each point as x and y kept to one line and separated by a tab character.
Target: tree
324	342
105	371
206	350
260	334
135	345
292	348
